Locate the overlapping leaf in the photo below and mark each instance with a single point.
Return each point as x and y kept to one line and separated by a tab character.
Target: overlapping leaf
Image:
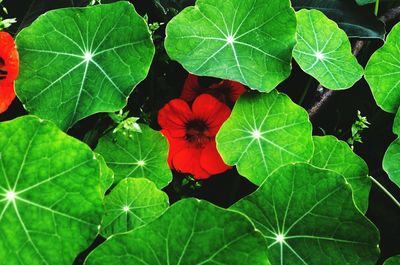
131	204
239	40
106	175
50	205
137	155
391	160
307	216
335	155
324	51
79	61
383	72
264	132
356	21
393	261
365	2
189	232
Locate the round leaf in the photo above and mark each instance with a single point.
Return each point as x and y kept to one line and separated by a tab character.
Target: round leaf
357	22
308	217
393	260
131	204
189	232
264	132
324	51
383	72
79	61
335	155
391	160
50	205
137	155
239	40
106	175
396	123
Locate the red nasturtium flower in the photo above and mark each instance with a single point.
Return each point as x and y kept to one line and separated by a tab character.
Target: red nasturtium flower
9	64
224	91
191	135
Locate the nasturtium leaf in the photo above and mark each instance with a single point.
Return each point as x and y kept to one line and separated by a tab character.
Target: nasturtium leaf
242	40
335	155
50	205
391	160
365	2
393	260
106	175
396	123
307	216
79	61
324	51
383	72
264	132
137	155
131	204
189	232
354	20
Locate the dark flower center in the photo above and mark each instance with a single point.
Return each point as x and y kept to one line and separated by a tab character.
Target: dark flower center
197	133
3	70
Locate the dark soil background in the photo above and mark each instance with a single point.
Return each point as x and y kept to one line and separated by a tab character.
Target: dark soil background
165	81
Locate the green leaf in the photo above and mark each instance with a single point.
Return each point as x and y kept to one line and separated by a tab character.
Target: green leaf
354	20
308	217
50	205
131	204
364	2
383	72
335	155
137	155
79	61
239	40
264	132
106	175
396	123
392	260
190	232
324	51
391	160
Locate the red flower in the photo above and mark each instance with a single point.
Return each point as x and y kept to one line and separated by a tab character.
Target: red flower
224	91
9	64
191	135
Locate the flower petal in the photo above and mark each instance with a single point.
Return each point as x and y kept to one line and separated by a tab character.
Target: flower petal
211	161
237	89
9	54
211	110
188	161
7	95
175	145
173	117
191	88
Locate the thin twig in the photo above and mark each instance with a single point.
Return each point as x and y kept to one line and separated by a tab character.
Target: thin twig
390	15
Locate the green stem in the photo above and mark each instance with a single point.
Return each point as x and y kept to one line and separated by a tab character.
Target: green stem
385	191
376	7
305	90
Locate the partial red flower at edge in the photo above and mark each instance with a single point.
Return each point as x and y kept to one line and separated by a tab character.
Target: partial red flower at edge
9	64
224	91
191	135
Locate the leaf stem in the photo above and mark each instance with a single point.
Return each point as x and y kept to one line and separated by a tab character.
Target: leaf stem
385	191
376	7
307	87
